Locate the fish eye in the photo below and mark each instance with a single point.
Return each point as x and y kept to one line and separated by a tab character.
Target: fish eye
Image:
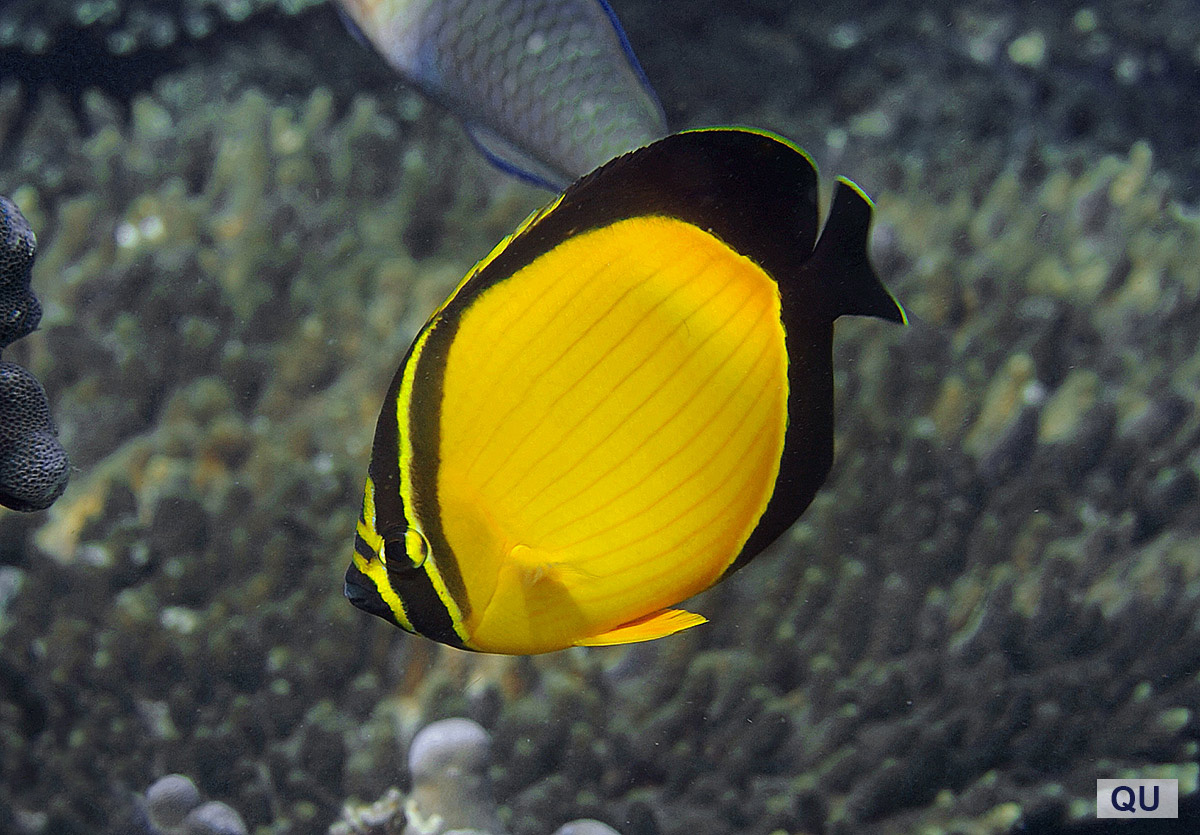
408	546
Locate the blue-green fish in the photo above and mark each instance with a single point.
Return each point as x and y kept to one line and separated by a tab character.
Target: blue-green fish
548	89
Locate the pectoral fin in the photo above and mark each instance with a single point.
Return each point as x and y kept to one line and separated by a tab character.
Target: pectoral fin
656	625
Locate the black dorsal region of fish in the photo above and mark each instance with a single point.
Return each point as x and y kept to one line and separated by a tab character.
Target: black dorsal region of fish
754	191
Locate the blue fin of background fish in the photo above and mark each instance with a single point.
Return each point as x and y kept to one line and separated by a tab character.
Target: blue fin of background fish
515	162
512	160
510	154
628	48
352	27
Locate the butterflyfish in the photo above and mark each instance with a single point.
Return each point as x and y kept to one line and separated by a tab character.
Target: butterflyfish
629	398
547	89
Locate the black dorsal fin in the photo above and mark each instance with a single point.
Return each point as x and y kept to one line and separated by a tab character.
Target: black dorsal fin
840	267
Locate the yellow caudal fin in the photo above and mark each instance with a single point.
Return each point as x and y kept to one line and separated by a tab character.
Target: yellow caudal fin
656	625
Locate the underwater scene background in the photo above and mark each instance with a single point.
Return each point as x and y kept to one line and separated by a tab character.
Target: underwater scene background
243	219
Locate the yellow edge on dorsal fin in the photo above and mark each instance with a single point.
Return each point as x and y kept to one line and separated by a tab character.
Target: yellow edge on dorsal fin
657	625
530	219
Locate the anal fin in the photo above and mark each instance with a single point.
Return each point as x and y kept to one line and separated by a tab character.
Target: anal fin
657	625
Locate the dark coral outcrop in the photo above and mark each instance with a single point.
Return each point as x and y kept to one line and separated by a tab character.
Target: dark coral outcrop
33	465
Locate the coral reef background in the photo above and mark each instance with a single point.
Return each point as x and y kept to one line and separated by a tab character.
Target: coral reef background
243	219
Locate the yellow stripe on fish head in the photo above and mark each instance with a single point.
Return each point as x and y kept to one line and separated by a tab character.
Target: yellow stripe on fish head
367	583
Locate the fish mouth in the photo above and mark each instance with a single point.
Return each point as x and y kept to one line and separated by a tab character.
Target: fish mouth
360	591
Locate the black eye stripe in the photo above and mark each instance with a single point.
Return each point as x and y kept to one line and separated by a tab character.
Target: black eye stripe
360	591
363	549
423	607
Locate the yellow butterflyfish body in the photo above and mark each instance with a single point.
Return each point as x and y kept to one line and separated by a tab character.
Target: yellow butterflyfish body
625	401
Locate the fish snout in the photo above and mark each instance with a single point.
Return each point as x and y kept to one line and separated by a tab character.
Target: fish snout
362	593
